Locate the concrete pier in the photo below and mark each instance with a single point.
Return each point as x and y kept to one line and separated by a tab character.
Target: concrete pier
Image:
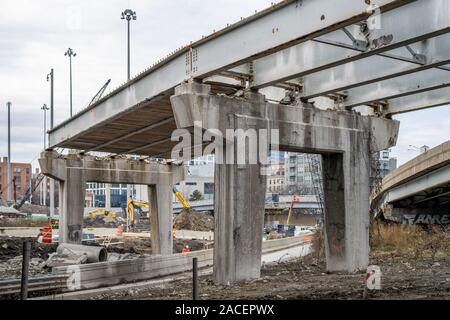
345	139
73	171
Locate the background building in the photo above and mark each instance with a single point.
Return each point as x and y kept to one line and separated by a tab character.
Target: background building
22	174
299	176
98	193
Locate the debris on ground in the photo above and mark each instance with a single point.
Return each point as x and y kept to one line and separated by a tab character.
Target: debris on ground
36	209
9	212
12	268
103	222
189	219
412	266
136	247
10	247
275	235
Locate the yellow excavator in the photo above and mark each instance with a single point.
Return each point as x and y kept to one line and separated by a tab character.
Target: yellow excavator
100	213
132	204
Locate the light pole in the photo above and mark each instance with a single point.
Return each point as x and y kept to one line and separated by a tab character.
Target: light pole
44	181
45	108
70	53
128	15
8	194
50	78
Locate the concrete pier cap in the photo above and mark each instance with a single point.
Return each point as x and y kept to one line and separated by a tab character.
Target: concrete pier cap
74	170
346	141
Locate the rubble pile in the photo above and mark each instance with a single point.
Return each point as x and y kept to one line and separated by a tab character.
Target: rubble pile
20	221
12	247
103	222
189	219
35	209
12	268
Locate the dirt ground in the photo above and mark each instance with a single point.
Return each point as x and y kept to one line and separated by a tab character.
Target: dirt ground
415	264
306	279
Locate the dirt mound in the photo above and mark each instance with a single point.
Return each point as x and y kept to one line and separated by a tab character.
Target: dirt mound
190	219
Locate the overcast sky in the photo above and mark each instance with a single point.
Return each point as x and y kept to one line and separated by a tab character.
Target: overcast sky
35	34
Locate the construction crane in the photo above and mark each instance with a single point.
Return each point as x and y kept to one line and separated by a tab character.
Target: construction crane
315	166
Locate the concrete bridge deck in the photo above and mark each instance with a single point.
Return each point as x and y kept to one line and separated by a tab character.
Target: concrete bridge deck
313	47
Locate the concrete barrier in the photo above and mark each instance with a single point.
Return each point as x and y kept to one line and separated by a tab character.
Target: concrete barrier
96	275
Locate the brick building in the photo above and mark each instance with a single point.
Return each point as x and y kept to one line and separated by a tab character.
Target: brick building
22	174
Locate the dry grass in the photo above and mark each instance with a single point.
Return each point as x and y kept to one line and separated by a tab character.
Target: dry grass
431	242
415	241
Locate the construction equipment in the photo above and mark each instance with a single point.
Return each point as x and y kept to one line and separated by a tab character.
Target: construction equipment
100	213
99	94
180	198
315	165
30	191
130	211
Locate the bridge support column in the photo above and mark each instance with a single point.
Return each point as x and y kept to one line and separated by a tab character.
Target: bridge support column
344	139
346	190
239	220
160	198
73	171
71	208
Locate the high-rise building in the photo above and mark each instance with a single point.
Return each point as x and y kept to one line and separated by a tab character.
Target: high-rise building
300	177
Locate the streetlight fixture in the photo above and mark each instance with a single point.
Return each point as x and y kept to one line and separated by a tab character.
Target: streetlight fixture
45	108
70	53
128	15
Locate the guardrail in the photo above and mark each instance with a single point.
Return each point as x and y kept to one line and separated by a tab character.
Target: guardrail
44	283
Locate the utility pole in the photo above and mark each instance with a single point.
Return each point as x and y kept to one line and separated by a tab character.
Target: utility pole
8	194
128	15
50	77
70	53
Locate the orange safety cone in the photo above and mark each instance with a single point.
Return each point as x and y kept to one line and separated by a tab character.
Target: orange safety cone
186	250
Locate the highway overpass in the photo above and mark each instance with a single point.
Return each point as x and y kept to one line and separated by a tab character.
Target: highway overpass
302	70
419	190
